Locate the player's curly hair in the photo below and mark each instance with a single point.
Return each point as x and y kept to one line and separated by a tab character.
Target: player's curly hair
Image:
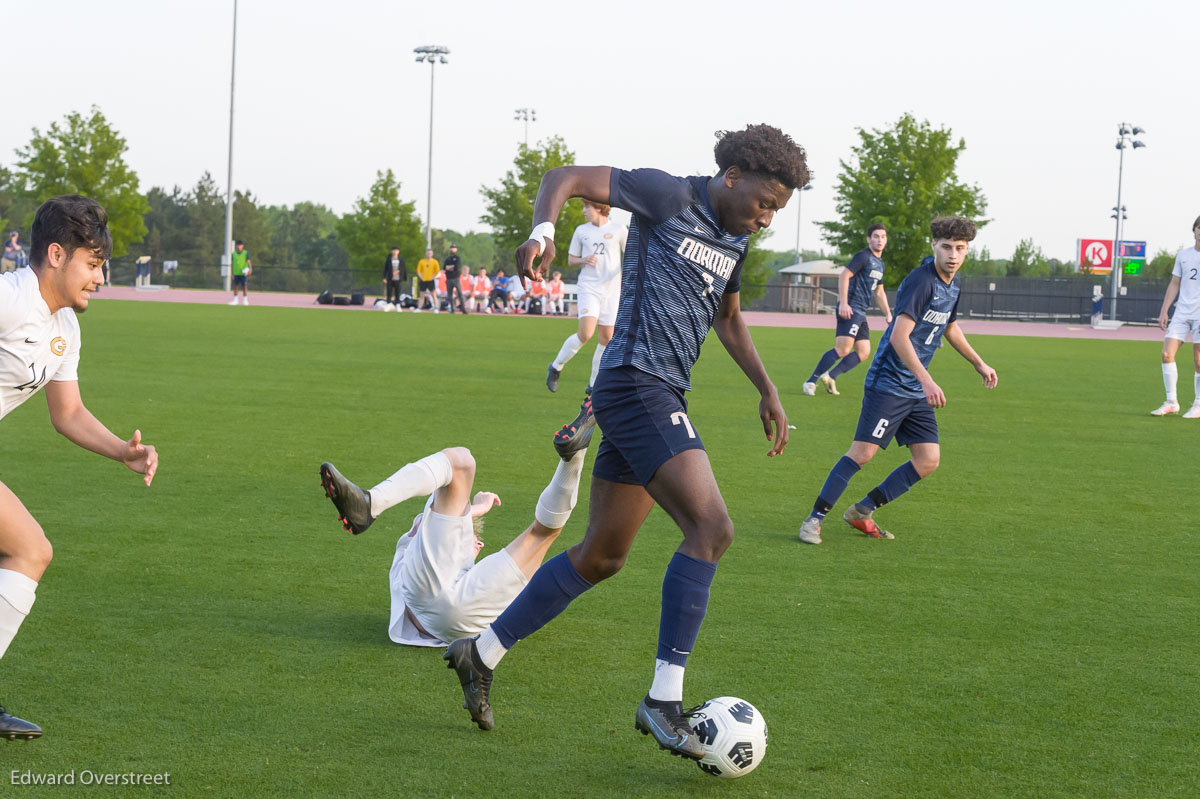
1196	224
954	228
73	222
765	150
601	208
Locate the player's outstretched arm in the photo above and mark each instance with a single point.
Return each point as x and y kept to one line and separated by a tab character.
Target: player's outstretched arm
1164	316
558	185
958	340
74	421
731	330
902	343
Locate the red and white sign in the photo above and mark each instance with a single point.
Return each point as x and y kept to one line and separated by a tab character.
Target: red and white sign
1096	254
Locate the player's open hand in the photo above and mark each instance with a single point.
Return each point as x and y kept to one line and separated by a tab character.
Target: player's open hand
141	458
527	253
934	394
771	412
988	374
483	502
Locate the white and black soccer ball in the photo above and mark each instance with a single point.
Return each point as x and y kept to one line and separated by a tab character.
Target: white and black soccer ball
734	736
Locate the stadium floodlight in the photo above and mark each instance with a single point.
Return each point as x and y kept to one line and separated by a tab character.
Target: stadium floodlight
799	195
1124	131
527	115
434	54
227	257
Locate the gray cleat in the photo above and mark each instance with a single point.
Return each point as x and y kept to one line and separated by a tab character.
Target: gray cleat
476	680
13	728
352	503
578	434
552	376
668	724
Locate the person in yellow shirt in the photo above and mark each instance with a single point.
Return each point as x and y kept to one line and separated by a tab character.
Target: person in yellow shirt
427	272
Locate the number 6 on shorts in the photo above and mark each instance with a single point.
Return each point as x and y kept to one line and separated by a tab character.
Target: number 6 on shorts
880	428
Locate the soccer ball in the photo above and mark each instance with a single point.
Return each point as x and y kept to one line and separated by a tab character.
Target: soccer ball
734	736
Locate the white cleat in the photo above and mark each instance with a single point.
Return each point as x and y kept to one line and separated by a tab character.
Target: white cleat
1193	412
1165	408
810	388
810	531
830	384
234	301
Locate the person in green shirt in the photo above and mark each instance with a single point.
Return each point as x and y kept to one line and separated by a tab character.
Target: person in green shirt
241	271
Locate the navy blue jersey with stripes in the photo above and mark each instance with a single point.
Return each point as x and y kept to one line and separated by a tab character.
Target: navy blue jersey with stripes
932	304
678	265
866	270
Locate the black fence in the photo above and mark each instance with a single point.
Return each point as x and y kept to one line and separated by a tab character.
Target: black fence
1049	299
264	277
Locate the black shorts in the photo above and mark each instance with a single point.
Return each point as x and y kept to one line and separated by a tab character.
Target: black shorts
426	285
910	420
644	422
855	326
239	280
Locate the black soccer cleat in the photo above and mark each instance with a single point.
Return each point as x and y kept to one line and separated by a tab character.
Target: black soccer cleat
476	680
352	503
668	724
578	434
552	376
15	729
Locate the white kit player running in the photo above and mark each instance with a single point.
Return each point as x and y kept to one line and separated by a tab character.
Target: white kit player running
597	248
439	593
1184	285
39	349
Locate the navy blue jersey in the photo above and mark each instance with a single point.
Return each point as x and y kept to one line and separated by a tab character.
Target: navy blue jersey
933	304
866	270
678	265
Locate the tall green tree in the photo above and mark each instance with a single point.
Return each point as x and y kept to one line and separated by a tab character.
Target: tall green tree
378	222
1028	261
904	177
510	205
85	155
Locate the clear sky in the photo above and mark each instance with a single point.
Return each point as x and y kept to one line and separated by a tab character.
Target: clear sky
328	93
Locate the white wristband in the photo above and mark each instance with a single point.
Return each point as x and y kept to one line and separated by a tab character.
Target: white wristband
544	230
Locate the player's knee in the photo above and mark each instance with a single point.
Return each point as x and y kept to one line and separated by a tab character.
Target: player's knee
595	567
709	537
583	336
1168	357
462	462
927	465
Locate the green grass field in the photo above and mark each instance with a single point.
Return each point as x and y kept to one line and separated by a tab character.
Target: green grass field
1032	632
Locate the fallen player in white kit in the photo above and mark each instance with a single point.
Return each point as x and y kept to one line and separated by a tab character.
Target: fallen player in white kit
439	593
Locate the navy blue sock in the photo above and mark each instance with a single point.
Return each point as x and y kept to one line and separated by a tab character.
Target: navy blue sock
845	365
902	478
548	593
684	603
835	484
827	360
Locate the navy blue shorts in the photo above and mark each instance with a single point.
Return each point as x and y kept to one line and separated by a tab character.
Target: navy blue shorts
644	421
239	280
855	326
911	421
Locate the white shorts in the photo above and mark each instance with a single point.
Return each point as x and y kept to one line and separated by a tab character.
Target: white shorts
1180	328
434	575
600	303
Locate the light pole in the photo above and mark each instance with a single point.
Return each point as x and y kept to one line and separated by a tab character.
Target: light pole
1123	134
527	115
434	54
227	258
799	196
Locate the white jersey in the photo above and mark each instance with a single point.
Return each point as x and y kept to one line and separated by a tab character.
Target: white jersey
1187	269
607	243
35	345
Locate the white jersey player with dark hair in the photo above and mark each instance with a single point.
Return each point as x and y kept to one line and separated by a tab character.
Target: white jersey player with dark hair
1185	322
597	248
439	593
39	349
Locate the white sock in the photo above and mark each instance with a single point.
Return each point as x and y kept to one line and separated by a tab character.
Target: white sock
419	479
1170	378
16	599
558	499
489	647
668	682
596	363
1196	385
569	348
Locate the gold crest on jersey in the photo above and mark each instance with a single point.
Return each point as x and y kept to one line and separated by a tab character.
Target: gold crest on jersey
58	345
